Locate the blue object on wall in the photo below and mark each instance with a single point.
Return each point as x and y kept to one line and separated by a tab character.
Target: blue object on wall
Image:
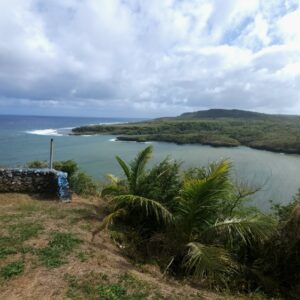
63	187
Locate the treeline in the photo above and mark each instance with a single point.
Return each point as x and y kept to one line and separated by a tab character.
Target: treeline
260	131
197	224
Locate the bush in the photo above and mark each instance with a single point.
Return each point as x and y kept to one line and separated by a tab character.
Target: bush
83	184
68	166
162	182
37	164
284	211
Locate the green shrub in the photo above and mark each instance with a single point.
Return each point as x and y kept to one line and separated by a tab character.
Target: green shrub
37	164
68	166
283	211
83	184
162	182
80	182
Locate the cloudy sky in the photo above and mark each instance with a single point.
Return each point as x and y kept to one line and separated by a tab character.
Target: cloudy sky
148	58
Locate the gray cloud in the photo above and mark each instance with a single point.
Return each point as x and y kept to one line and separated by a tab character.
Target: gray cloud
148	58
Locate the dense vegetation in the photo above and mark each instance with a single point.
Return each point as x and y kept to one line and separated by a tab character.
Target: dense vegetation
195	223
228	128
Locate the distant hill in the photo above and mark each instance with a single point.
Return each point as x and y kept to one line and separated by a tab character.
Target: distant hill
223	113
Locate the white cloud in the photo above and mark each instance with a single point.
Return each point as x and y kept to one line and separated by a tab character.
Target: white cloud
289	27
134	57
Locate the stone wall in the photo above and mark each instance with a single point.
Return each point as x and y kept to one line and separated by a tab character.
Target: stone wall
42	181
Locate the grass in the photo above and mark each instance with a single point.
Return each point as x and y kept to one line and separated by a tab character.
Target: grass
99	286
25	231
12	269
82	256
18	233
7	246
58	248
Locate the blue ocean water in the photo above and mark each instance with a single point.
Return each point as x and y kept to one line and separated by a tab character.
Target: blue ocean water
27	138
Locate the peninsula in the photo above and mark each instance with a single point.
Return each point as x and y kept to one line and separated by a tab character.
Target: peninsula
215	127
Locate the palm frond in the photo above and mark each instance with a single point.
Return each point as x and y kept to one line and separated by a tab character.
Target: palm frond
202	260
199	199
108	220
113	179
147	206
113	190
138	166
124	167
248	229
213	186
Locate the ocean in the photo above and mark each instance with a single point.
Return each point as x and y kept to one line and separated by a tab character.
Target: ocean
27	138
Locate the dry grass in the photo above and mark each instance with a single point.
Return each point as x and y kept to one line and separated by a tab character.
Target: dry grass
87	270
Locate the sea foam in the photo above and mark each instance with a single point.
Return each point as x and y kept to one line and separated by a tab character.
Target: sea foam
49	131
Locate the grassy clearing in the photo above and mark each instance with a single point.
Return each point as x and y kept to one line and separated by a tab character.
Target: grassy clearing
25	221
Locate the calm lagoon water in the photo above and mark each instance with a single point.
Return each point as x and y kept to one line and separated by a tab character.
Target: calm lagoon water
23	139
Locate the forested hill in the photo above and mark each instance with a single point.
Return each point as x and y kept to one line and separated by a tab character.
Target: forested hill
215	127
217	113
223	113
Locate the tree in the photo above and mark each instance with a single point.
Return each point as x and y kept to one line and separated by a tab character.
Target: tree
210	232
126	197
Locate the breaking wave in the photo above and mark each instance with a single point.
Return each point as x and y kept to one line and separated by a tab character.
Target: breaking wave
51	131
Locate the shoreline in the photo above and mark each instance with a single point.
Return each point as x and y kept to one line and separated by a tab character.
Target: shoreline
214	145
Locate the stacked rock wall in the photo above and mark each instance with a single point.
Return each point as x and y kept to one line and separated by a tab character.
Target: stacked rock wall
29	181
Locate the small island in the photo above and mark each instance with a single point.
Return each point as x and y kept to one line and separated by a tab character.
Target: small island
214	127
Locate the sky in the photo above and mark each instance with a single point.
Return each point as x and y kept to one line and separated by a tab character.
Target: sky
137	58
